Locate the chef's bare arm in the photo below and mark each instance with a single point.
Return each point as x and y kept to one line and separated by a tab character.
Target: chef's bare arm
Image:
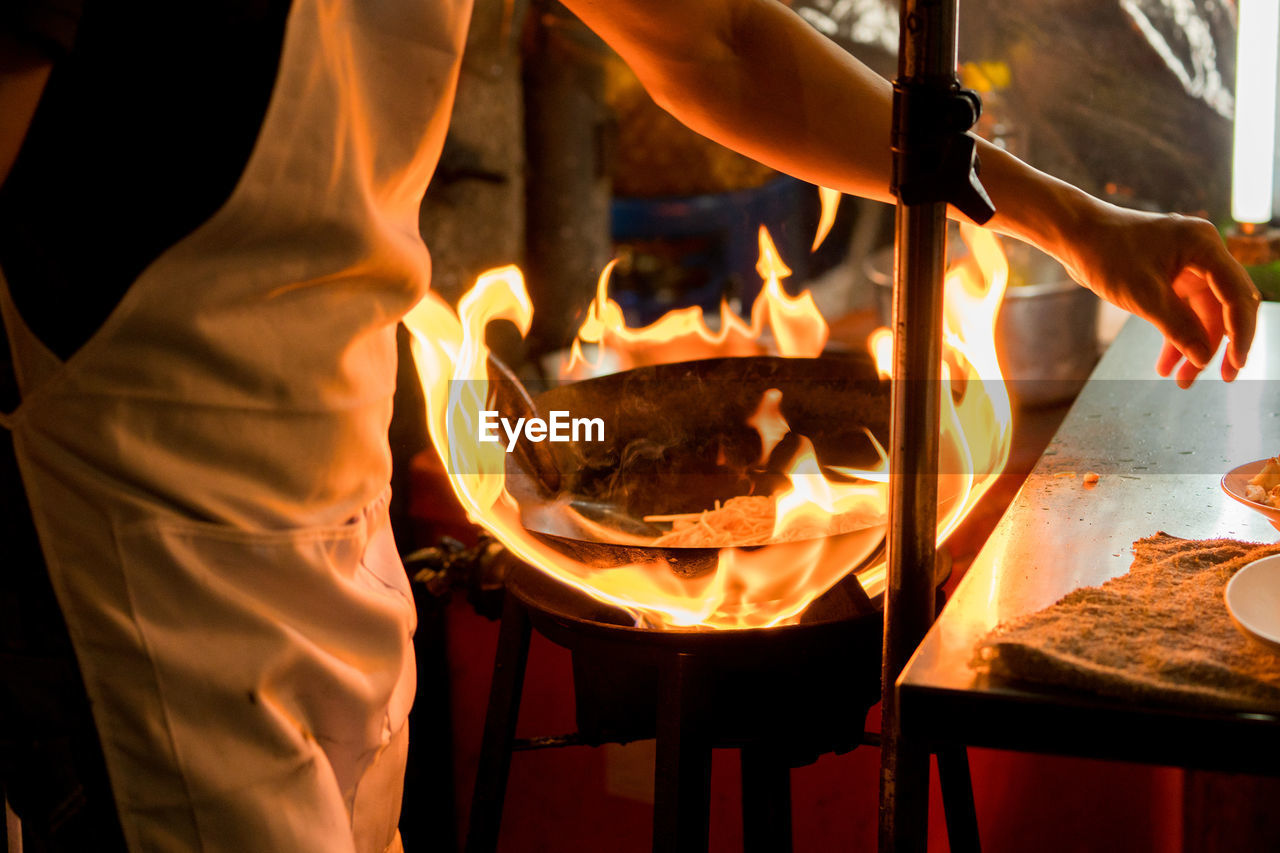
23	72
754	76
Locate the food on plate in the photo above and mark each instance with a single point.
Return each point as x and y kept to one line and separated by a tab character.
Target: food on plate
1264	488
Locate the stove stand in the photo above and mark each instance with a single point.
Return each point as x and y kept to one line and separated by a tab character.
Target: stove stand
782	696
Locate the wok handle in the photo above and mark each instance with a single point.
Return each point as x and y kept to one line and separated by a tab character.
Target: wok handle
509	396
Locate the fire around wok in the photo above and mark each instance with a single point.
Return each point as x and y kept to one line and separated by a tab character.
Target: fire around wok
680	437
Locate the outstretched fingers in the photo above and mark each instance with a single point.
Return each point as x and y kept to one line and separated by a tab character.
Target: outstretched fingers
1238	300
1185	326
1233	291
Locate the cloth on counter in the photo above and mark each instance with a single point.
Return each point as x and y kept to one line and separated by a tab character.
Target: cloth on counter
1159	633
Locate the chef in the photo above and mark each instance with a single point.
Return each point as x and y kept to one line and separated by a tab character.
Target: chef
208	230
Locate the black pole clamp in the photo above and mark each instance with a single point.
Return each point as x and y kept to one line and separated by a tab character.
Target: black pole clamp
934	157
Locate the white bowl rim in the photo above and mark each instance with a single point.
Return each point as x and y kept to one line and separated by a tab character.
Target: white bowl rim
1252	628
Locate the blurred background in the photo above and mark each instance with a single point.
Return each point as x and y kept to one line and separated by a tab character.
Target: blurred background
558	161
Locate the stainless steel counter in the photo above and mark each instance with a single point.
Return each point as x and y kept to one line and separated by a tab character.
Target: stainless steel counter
1159	452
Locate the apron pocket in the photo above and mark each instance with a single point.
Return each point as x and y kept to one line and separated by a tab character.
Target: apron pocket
281	657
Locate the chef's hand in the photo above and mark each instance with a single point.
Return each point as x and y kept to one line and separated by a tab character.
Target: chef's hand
1173	271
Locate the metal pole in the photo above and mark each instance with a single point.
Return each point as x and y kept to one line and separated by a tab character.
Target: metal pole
927	53
567	184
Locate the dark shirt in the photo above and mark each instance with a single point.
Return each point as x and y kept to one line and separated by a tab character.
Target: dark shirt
146	124
47	25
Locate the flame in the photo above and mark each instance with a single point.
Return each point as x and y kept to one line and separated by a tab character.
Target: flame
749	587
797	327
808	507
976	417
830	201
767	420
880	345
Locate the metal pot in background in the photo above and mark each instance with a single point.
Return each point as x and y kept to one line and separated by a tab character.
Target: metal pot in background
1046	331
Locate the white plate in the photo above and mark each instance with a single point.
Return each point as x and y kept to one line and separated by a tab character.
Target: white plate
1235	483
1253	600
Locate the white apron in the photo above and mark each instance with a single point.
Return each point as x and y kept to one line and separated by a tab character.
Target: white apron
208	474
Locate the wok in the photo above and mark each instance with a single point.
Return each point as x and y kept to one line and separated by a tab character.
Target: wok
676	439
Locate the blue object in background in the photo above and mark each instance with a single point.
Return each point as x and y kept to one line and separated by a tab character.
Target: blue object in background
696	250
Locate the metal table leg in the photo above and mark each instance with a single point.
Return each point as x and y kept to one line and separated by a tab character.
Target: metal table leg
957	800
